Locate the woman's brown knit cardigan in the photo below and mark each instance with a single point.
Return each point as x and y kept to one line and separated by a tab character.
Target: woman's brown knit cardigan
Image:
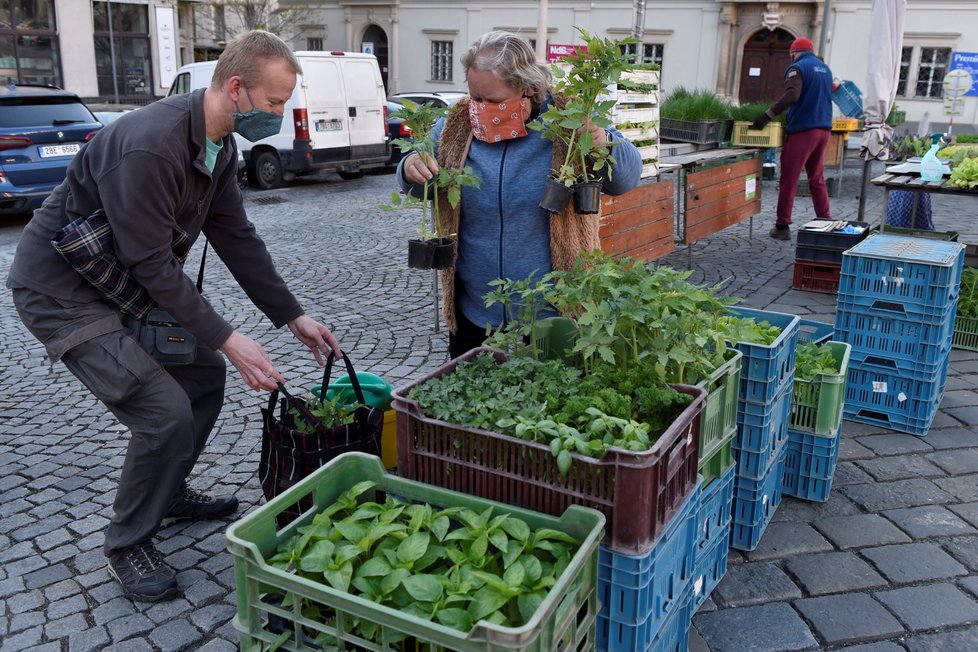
570	232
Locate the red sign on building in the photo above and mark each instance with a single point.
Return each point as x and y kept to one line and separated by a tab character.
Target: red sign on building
557	51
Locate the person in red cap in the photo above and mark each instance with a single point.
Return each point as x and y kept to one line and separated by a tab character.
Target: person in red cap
808	98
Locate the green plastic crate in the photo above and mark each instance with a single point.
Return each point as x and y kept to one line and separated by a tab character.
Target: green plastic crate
717	464
564	620
965	333
719	416
816	404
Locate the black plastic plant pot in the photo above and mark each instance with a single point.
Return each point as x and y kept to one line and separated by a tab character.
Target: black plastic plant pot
444	253
587	197
421	254
555	196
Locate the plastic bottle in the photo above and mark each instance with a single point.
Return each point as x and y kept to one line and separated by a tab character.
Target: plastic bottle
931	169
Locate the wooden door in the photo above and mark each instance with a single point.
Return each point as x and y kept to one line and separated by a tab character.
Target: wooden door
763	64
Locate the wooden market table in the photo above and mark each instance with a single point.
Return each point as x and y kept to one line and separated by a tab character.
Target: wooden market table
716	189
912	182
639	223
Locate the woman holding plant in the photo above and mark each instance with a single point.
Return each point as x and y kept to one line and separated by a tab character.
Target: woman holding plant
501	230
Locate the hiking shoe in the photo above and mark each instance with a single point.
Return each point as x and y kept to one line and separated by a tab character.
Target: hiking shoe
780	234
143	574
197	506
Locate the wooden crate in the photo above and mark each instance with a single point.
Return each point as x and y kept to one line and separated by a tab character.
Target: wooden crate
835	150
640	222
717	197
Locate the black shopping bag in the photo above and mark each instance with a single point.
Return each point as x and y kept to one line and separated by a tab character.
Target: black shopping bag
288	455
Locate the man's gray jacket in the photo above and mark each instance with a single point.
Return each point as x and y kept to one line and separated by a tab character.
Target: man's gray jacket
147	172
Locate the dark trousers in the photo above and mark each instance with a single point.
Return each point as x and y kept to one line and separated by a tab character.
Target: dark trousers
467	336
803	150
169	411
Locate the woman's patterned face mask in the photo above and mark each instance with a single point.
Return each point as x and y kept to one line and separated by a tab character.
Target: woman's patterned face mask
493	122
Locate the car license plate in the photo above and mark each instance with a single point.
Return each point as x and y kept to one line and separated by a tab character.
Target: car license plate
329	125
59	150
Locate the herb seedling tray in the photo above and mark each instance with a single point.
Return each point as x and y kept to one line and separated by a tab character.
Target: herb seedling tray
637	492
564	620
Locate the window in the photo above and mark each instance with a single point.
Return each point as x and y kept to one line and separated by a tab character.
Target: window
441	61
315	43
130	47
29	43
922	71
651	52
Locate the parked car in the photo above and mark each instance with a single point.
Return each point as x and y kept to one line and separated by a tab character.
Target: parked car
106	114
41	130
396	129
441	99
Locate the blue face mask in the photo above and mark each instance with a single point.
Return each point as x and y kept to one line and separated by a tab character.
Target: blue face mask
256	124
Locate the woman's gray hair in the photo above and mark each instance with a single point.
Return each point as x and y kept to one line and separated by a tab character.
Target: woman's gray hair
512	60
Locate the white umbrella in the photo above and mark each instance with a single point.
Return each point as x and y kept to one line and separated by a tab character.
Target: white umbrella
882	77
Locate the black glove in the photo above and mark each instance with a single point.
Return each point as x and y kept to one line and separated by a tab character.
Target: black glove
760	122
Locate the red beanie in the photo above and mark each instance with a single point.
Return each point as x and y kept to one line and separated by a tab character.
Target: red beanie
800	44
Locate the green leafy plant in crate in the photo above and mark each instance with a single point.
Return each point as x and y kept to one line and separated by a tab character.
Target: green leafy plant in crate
452	566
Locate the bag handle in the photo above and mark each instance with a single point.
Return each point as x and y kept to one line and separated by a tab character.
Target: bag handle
297	404
354	381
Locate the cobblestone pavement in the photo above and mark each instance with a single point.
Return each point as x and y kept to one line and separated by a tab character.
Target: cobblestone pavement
891	558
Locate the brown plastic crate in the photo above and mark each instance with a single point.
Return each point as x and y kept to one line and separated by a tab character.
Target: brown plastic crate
637	492
817	276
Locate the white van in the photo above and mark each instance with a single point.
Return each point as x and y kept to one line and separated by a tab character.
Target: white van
335	119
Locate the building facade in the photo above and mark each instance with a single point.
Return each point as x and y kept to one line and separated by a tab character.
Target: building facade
129	50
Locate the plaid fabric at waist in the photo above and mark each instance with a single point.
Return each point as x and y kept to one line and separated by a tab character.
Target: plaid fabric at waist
88	246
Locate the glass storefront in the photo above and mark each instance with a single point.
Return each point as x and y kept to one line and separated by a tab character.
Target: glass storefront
133	59
29	43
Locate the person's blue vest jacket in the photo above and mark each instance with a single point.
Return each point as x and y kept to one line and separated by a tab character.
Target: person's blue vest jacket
813	110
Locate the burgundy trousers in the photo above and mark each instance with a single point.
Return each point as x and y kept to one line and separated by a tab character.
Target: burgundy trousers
803	149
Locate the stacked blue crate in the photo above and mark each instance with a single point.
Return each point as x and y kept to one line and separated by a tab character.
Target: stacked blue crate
645	598
712	544
766	382
897	301
809	465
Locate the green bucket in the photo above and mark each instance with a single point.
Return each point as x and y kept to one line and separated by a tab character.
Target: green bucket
376	390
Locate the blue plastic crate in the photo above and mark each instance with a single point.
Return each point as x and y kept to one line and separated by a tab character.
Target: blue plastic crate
920	275
754	504
756	447
815	332
894	338
713	515
644	589
711	566
809	465
760	413
906	311
917	424
671	636
902	404
925	371
849	99
768	363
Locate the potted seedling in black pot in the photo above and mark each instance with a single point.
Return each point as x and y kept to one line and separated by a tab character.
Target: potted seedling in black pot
434	249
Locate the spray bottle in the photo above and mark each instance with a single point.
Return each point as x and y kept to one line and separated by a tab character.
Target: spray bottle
931	169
